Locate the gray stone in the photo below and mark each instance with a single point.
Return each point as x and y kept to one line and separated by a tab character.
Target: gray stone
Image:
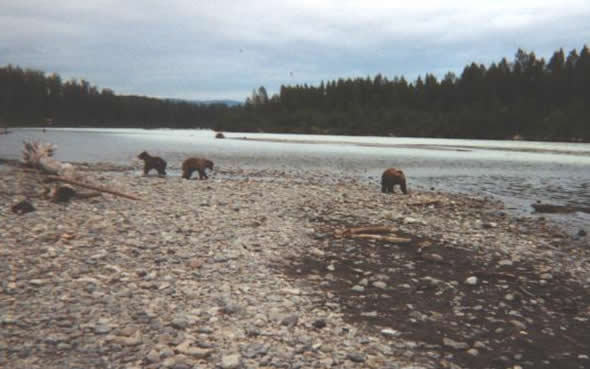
153	356
380	284
388	332
356	357
455	344
255	349
180	321
231	361
290	320
473	352
358	288
102	328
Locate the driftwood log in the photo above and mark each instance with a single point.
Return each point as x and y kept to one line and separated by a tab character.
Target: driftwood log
368	229
38	155
93	187
561	209
376	232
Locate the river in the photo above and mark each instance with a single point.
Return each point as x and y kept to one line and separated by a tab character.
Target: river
517	172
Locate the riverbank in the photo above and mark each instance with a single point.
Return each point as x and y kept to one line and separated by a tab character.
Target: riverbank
256	269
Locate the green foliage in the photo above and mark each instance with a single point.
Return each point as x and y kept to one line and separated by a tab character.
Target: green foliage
527	98
29	97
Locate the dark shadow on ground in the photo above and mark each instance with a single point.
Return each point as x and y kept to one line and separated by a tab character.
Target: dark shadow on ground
516	314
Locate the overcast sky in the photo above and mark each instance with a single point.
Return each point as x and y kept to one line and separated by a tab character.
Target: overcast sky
211	49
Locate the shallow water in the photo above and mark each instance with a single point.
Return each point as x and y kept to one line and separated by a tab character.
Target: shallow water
519	173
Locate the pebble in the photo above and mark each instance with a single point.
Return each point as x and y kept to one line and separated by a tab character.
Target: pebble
358	288
380	284
180	322
166	283
455	344
153	356
356	357
102	328
388	332
290	320
231	361
473	352
319	323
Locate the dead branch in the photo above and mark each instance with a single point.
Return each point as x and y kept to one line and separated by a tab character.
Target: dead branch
368	229
87	195
93	187
392	239
527	292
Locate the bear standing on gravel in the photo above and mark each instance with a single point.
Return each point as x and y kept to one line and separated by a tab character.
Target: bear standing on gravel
152	162
198	164
392	177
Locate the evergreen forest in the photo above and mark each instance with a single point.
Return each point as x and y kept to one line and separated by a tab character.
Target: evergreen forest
525	98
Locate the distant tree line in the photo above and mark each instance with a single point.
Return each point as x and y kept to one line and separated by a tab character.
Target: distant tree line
527	97
31	98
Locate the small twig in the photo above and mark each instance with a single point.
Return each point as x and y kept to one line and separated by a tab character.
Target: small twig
527	292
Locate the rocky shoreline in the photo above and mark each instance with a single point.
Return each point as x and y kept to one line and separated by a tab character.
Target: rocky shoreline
254	269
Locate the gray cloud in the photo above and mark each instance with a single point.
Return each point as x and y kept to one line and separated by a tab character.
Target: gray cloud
224	49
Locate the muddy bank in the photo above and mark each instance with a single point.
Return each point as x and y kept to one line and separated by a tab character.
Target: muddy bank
251	269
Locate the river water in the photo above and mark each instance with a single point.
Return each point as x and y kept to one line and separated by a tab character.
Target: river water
517	172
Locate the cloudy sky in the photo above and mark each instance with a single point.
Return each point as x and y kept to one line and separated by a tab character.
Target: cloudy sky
211	49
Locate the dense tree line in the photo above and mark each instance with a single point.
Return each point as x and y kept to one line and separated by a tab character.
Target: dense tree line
527	97
29	97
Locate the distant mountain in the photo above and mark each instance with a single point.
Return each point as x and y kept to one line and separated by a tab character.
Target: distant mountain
227	102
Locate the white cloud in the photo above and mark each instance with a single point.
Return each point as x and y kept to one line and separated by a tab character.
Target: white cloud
193	47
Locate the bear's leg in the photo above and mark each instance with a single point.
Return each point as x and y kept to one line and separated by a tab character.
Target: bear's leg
202	174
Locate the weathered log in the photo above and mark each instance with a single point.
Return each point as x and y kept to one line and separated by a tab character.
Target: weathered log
93	187
562	209
35	152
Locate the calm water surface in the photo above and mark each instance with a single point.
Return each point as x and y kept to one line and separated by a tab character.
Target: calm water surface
519	173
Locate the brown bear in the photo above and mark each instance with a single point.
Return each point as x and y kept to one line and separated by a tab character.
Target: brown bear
152	162
198	164
392	177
